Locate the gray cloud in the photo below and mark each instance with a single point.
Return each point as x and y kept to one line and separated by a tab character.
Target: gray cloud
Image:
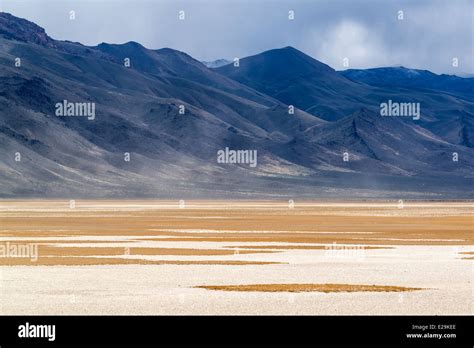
367	32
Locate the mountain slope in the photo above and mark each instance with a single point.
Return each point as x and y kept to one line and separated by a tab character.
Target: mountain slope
297	79
397	145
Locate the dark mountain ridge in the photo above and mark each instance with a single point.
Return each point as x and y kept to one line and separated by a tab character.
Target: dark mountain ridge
412	78
297	79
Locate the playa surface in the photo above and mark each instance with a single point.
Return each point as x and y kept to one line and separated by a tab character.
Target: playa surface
236	257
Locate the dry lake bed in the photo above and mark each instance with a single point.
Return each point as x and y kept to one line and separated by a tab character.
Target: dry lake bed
236	257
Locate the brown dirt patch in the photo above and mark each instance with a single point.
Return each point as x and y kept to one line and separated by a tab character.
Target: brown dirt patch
309	288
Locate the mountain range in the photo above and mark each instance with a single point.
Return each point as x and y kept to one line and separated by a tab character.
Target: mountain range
170	114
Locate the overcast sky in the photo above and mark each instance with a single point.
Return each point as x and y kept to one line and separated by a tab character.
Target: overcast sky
367	32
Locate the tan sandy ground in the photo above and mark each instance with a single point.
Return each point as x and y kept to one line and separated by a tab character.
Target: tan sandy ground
308	288
311	247
228	221
98	261
415	224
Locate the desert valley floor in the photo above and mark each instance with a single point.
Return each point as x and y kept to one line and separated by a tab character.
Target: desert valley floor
237	257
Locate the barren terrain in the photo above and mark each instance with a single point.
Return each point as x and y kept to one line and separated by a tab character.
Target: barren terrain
236	257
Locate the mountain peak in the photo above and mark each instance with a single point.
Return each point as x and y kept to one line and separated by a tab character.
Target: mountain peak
289	48
127	45
15	28
291	55
133	44
167	50
295	78
277	65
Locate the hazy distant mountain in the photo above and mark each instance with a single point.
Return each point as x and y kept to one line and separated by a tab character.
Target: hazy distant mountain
467	75
171	115
412	78
217	63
